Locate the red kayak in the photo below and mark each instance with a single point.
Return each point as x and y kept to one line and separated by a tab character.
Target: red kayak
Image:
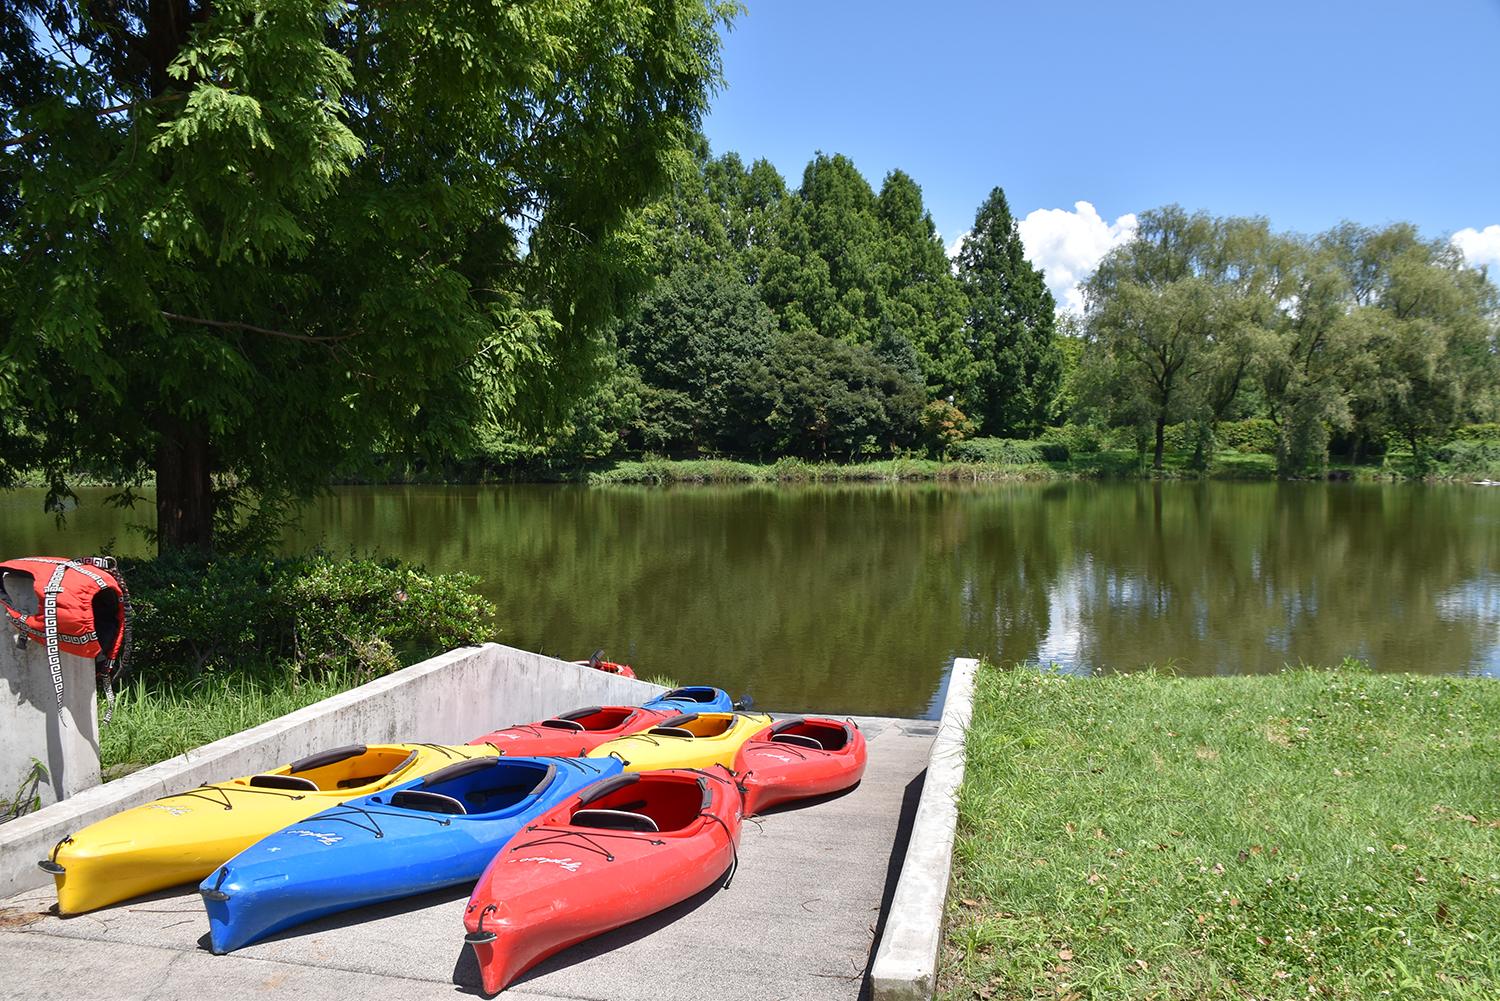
624	848
598	663
799	758
574	734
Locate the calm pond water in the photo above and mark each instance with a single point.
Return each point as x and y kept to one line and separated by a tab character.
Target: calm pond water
856	598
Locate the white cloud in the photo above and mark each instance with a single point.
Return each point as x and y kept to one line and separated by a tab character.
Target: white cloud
1069	245
1480	247
958	244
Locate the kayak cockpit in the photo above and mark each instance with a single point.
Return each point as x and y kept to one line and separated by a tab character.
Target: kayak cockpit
478	786
592	719
643	802
815	735
339	770
700	694
695	725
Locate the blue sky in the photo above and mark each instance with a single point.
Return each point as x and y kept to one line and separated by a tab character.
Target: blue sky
1307	113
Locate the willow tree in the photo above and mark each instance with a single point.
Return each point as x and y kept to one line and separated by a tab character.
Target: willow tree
244	240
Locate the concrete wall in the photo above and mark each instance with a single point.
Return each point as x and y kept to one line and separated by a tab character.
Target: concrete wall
905	967
66	744
448	699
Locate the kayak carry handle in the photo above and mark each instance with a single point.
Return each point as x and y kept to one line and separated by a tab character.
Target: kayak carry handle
479	936
49	866
214	893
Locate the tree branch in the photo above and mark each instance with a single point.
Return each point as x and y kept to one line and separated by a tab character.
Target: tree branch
113	109
253	329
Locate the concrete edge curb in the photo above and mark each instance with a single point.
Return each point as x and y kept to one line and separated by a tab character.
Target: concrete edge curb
446	699
905	967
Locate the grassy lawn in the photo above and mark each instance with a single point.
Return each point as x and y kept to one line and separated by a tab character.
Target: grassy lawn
153	723
1304	835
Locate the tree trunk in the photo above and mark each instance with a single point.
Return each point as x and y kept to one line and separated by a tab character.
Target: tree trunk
1161	441
184	489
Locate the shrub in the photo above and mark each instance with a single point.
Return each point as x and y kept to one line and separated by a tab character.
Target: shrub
194	615
1078	439
1009	451
1254	435
1476	457
1478	432
943	426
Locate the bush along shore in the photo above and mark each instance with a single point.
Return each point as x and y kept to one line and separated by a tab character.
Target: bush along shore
1311	834
231	642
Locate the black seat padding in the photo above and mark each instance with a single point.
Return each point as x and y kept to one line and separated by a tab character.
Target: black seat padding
671	731
334	756
579	713
428	802
460	769
601	789
798	740
544	781
295	782
700	695
562	724
615	820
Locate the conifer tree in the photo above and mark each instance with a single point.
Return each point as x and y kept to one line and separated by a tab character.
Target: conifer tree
1010	324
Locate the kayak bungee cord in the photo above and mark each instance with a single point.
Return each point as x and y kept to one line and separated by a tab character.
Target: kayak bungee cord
733	847
446	752
370	815
224	791
560	834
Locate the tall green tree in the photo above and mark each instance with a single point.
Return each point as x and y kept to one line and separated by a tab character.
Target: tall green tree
699	342
1010	325
242	240
923	302
829	399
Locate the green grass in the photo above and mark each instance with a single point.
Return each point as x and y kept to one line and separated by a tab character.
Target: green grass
152	724
1304	835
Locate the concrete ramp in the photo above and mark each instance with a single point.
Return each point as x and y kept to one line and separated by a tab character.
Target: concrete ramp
799	921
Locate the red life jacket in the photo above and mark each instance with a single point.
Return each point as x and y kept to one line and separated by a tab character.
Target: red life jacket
78	607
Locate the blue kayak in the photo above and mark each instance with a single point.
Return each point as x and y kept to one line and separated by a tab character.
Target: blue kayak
695	699
437	831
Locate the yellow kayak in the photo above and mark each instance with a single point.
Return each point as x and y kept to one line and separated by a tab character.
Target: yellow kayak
183	837
696	740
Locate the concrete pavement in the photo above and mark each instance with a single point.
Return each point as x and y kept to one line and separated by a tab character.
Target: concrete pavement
798	922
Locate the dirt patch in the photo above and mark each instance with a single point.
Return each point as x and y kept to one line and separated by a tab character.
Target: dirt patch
12	918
